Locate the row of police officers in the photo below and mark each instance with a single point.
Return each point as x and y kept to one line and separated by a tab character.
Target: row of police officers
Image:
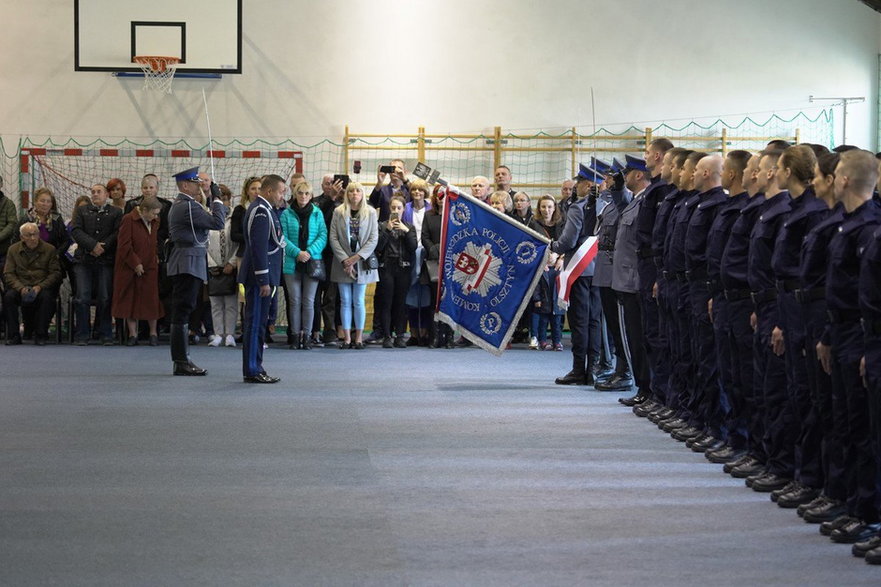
747	293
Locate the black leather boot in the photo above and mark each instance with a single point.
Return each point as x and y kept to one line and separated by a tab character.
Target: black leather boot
576	376
180	354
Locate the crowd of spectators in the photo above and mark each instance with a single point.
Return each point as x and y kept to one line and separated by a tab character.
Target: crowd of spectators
111	258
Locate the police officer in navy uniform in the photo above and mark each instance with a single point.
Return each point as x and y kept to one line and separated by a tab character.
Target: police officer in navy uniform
770	376
843	343
795	173
720	310
188	226
707	400
673	161
676	266
580	224
870	306
733	271
260	272
655	339
827	402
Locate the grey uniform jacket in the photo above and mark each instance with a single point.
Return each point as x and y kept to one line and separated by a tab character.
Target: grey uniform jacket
188	226
607	231
575	233
625	277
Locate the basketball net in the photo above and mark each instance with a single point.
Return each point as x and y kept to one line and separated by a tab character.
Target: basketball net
158	71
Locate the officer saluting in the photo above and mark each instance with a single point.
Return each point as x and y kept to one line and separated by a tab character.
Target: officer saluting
261	273
581	218
188	226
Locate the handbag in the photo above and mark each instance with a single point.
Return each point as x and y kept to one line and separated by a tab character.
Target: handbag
315	269
372	262
432	267
220	283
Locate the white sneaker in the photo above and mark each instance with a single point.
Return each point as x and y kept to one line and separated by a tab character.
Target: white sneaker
215	340
230	340
533	343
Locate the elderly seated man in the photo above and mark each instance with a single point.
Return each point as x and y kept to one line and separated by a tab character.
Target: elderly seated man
32	275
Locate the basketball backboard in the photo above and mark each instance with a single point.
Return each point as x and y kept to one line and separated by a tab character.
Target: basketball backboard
205	34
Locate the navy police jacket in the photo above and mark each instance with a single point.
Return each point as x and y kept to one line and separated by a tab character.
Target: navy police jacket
814	260
848	244
735	257
870	285
662	223
654	197
720	230
804	214
678	228
761	242
264	246
698	232
759	273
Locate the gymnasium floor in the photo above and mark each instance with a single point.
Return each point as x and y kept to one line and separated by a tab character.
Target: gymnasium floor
374	467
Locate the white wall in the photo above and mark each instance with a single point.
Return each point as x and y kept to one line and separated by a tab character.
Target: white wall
386	66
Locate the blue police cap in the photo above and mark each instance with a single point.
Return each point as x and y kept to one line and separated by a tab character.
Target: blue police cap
600	165
617	165
588	174
191	174
635	163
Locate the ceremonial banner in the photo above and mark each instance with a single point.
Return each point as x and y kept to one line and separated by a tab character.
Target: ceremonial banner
489	265
574	268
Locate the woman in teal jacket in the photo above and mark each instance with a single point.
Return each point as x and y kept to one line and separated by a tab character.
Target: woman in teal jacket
305	236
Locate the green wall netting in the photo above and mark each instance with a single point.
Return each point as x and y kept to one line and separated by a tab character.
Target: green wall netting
539	161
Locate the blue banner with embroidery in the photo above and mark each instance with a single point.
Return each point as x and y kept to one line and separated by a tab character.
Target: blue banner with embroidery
489	265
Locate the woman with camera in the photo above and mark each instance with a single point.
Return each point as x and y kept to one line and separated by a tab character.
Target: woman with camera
396	247
353	237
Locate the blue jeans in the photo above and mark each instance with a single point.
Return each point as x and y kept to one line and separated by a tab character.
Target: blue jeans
352	301
556	322
101	276
301	301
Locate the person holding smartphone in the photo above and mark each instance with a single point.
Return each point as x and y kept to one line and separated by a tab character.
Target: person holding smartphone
395	173
395	249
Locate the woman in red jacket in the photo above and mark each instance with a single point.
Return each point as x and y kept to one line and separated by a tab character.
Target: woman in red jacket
136	270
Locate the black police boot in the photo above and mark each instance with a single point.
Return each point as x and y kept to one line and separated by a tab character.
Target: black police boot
180	354
604	371
574	377
620	381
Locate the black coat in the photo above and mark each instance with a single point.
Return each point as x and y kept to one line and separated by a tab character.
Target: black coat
395	248
431	236
93	225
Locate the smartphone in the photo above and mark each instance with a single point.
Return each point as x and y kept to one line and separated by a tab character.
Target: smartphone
393	217
342	178
387	169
